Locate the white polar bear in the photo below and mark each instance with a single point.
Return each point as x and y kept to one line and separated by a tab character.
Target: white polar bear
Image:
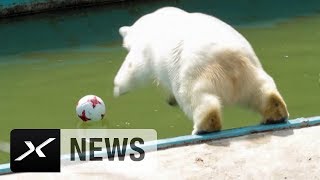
202	62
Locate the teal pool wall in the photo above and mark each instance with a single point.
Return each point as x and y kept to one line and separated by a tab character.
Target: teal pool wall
87	27
253	7
16	7
11	3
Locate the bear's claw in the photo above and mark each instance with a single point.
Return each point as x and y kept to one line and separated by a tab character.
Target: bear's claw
271	121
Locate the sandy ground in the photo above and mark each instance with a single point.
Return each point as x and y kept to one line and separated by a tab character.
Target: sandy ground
286	154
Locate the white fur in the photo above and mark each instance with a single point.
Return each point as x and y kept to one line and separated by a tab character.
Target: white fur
177	49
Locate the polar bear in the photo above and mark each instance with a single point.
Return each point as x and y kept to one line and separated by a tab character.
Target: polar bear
202	62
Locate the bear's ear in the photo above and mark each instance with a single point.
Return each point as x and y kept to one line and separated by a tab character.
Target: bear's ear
124	31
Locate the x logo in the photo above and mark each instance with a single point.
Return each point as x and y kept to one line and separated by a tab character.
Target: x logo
32	148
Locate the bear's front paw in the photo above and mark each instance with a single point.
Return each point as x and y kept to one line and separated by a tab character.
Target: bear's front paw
172	101
117	91
275	110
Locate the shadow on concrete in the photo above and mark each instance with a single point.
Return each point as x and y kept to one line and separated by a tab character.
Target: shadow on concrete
255	138
221	142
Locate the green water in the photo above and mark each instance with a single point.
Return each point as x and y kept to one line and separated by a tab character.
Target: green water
40	86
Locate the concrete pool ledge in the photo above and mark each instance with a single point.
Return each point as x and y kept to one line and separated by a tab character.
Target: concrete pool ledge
223	136
192	139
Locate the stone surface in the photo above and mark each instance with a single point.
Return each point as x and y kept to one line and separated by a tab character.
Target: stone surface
286	154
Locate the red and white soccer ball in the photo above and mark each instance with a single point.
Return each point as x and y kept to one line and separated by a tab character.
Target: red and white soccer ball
91	108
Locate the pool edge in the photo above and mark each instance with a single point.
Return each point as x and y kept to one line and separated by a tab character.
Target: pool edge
194	139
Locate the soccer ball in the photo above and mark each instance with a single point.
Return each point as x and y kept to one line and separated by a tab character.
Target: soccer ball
91	108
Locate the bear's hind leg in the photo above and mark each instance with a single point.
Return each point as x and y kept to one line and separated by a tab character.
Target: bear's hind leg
207	116
273	109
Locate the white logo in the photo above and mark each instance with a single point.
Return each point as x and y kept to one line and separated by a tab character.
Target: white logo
32	148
